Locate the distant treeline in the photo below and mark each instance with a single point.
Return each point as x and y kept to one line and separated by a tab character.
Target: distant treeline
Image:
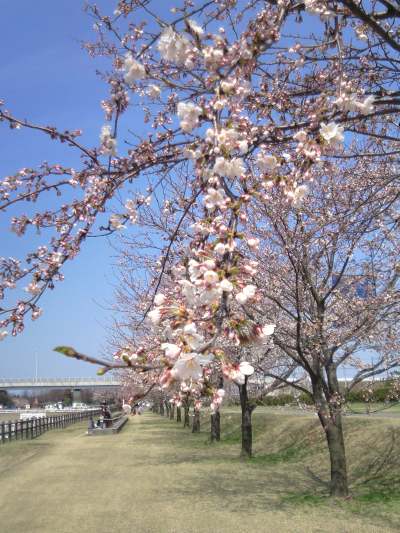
379	391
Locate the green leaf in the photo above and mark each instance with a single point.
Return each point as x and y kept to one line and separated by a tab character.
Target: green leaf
66	350
126	359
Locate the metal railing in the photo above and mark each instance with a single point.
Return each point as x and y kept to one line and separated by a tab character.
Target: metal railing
60	382
34	427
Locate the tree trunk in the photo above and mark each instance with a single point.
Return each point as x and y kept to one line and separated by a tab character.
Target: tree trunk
167	408
337	455
196	421
178	414
186	422
330	417
161	410
247	429
172	411
216	426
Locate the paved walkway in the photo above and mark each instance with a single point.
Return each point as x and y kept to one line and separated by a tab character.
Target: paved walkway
153	477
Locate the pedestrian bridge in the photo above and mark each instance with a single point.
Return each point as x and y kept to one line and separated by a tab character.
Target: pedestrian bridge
58	383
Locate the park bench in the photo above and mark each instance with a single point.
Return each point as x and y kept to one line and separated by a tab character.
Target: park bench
115	425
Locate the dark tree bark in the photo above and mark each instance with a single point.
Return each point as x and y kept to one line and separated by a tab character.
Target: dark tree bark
178	414
247	429
330	416
216	426
196	421
186	421
216	417
172	411
161	410
337	455
167	408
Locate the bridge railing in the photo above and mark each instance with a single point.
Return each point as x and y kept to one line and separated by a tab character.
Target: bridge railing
34	427
8	382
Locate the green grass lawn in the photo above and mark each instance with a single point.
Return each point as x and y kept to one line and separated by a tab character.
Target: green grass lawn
378	408
157	477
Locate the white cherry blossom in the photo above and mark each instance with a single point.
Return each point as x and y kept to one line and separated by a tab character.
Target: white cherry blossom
300	136
220	248
33	288
188	114
210	296
195	27
188	291
346	102
253	243
332	133
130	206
159	299
229	167
298	194
227	86
153	91
108	142
226	285
215	198
171	350
134	70
190	329
350	103
194	269
173	47
243	146
228	138
367	106
246	294
213	57
116	222
189	366
155	316
210	277
246	368
200	228
268	329
238	372
265	162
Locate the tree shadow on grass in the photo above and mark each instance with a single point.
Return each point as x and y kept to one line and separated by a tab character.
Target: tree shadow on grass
239	489
374	476
381	466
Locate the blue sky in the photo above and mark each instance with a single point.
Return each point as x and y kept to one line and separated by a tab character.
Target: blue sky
47	78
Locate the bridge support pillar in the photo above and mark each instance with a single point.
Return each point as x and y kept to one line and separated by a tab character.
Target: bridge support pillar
76	395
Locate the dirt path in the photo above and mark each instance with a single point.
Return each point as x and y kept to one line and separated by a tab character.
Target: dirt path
154	477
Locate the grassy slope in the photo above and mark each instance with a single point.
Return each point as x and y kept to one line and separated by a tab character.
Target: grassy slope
157	477
297	445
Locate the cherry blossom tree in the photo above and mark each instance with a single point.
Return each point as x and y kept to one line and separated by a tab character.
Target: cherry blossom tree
330	280
243	101
249	358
